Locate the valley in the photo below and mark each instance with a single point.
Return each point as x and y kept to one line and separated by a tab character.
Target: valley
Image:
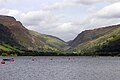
15	39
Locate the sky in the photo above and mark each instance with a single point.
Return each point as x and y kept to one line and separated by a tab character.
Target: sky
62	18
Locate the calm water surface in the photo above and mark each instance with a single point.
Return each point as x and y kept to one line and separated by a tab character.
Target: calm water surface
61	68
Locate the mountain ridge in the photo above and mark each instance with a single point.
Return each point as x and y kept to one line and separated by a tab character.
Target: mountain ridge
91	34
105	44
20	35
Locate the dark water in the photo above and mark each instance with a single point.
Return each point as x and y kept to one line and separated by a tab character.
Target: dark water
61	68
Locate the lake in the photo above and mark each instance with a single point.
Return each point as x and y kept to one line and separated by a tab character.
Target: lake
61	68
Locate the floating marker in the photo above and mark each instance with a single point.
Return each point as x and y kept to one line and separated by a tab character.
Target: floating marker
32	59
3	62
12	60
69	58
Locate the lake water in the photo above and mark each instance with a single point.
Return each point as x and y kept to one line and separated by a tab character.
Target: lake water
61	68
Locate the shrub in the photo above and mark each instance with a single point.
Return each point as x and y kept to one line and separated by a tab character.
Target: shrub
4	54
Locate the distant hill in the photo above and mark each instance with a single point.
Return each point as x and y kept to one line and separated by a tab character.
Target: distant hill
98	41
12	32
48	40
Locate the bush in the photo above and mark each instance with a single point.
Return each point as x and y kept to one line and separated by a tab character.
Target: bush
4	54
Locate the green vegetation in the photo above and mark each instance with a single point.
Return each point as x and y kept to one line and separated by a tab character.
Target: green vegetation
47	41
7	50
107	44
47	53
2	48
15	39
104	45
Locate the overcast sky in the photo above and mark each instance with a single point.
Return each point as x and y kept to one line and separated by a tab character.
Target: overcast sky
62	18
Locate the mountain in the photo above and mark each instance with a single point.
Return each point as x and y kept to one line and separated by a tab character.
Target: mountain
12	32
15	31
88	35
48	40
101	40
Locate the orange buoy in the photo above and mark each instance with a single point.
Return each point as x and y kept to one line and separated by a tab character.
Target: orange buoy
3	62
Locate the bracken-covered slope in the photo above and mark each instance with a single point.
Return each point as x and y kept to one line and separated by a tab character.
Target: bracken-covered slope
14	33
101	40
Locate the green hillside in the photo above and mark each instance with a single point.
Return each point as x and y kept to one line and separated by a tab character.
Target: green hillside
8	50
107	44
2	48
14	33
48	41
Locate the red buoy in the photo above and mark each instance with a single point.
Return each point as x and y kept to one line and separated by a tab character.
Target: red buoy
12	60
3	62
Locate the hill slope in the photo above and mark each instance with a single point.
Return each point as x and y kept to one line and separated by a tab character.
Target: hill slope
107	40
48	41
15	34
90	35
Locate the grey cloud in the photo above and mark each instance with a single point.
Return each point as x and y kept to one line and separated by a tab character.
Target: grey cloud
72	3
108	15
86	2
3	0
112	11
46	22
